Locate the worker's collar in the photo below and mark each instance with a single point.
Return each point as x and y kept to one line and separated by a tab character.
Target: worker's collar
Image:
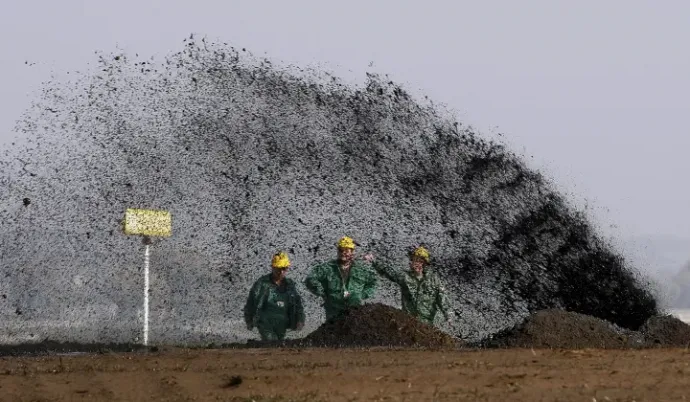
414	274
336	262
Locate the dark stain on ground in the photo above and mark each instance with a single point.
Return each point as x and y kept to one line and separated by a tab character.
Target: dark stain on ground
233	382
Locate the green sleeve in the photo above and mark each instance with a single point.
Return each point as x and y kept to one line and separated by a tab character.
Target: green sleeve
251	304
313	282
299	307
369	287
388	272
442	299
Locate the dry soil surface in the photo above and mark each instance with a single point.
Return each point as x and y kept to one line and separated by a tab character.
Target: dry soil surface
351	375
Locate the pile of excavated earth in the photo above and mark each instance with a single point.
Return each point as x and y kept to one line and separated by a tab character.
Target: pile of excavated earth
378	325
381	325
561	329
374	325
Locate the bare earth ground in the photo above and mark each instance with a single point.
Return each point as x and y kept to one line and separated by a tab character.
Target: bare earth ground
351	375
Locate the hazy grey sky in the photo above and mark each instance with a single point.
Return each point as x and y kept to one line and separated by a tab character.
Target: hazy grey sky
597	91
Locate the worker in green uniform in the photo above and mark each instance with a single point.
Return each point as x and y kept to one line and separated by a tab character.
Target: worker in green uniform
274	305
343	282
422	292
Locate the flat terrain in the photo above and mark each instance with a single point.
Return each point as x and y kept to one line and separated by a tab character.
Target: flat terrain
351	375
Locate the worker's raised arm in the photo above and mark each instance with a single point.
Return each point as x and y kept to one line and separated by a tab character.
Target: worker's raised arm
385	270
314	280
388	272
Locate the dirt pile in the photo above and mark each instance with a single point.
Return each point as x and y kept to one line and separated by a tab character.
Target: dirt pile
666	331
555	328
378	325
564	330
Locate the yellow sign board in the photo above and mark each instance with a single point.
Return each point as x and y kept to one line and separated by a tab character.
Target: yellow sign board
148	222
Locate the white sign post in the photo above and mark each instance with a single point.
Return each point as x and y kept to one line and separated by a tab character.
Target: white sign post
146	292
147	223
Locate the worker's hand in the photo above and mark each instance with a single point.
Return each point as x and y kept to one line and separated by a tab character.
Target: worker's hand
299	326
368	257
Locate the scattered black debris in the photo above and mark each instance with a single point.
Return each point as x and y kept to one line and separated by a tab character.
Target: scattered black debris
250	157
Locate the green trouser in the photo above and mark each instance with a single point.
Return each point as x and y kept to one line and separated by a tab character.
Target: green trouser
272	327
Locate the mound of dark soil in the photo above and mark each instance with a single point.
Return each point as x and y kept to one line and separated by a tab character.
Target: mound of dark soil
666	331
378	325
564	330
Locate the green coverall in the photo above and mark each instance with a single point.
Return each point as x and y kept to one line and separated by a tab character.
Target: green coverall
273	309
326	281
421	297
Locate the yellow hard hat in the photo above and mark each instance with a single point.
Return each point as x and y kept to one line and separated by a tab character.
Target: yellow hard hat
422	253
280	261
346	242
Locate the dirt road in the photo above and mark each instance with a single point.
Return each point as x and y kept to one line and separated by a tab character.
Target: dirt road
351	375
